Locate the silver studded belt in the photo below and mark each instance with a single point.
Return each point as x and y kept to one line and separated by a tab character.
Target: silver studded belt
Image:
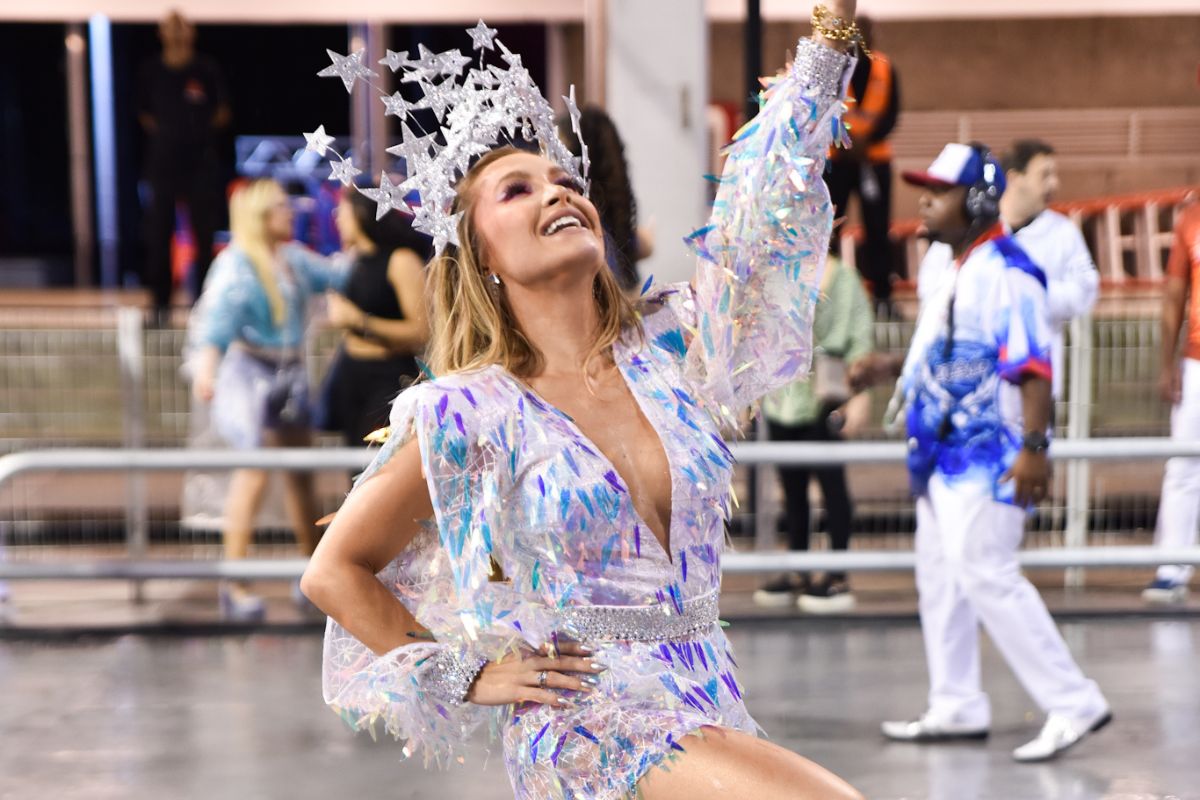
640	623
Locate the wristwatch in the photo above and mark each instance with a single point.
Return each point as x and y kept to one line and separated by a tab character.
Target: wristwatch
1035	442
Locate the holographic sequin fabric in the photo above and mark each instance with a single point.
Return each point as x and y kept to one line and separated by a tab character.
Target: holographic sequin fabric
516	485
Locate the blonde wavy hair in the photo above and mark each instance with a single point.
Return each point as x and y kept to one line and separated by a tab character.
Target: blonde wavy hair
248	209
472	322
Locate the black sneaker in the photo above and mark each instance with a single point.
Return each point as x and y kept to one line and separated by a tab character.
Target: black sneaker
827	596
780	592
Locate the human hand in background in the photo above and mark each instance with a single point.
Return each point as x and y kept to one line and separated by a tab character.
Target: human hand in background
1170	384
1031	473
855	414
202	387
872	369
204	373
343	313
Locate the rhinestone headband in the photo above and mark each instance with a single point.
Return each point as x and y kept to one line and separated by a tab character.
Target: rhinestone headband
490	105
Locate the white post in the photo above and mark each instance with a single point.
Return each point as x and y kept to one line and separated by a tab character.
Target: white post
368	125
1079	422
131	355
656	92
104	148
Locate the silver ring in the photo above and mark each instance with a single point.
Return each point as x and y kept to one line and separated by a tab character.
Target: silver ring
542	679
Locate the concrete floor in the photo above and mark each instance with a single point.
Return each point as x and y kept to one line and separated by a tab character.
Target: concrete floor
240	717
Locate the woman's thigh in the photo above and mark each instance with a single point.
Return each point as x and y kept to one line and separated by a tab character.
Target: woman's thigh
719	764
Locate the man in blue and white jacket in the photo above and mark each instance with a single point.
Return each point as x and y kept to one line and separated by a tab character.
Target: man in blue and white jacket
977	385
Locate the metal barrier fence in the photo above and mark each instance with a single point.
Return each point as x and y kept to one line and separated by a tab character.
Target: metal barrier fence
73	385
101	379
139	565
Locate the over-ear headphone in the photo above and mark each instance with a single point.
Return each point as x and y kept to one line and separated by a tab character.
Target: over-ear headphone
982	201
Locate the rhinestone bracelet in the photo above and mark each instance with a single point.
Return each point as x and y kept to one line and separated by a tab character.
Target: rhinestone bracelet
449	675
819	68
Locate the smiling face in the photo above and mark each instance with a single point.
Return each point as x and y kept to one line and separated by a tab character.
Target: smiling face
942	214
534	223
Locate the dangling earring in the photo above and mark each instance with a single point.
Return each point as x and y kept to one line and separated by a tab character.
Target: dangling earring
492	281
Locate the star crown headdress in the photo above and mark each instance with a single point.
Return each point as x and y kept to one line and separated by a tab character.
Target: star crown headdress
491	105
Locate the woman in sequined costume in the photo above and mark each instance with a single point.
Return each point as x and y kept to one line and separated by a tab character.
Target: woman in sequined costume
550	509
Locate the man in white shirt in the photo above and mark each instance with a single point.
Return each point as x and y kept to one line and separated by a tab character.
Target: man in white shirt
977	391
1052	240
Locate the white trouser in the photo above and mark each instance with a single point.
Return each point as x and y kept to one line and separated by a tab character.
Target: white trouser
1179	508
967	573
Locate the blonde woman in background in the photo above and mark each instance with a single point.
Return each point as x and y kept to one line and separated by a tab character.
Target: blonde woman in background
248	331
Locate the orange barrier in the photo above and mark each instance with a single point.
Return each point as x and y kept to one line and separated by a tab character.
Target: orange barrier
1128	234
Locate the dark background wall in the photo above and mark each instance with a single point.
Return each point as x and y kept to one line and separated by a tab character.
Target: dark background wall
1004	64
34	181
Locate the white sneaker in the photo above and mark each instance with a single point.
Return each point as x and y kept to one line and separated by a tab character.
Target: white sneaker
1060	733
1165	592
827	597
780	592
238	605
927	729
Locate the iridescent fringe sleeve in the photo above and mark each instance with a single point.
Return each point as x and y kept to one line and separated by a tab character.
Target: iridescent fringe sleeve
761	254
415	691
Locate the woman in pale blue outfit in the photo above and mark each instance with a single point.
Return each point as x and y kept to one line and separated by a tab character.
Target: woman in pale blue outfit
248	332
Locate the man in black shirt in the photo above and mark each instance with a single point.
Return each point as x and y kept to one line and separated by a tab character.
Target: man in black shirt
866	167
183	105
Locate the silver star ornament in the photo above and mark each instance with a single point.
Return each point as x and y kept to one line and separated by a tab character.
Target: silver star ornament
343	170
387	196
318	141
482	36
394	61
349	68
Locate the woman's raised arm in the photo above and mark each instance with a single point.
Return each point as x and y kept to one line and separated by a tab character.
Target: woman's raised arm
759	258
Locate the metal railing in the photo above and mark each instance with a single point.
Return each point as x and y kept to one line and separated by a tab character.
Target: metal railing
808	454
103	379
